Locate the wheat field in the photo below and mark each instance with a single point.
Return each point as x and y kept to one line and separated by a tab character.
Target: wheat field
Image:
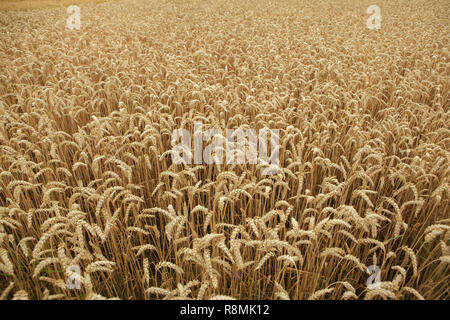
87	179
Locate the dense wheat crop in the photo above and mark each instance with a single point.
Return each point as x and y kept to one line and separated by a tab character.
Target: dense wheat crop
87	178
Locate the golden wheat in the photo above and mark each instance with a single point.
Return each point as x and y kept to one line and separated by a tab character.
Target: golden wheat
86	173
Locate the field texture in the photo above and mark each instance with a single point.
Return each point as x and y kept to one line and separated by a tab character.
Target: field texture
7	5
89	191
